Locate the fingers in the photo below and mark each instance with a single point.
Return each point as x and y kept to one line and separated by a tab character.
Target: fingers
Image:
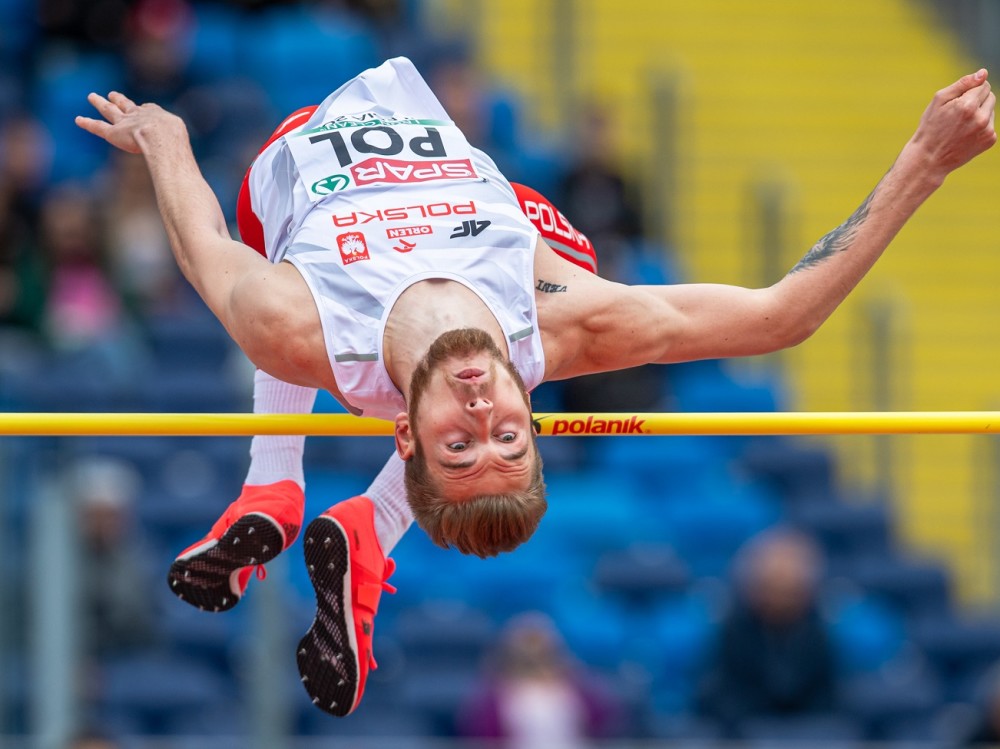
100	128
106	108
963	84
113	107
121	101
982	92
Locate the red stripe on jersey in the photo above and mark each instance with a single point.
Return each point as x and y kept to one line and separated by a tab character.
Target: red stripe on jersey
556	229
251	231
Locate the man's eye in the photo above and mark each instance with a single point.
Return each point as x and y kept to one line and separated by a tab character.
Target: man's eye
507	437
457	446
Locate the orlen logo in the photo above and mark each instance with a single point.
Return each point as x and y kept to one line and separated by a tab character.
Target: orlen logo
397	172
353	247
408	231
331	184
591	425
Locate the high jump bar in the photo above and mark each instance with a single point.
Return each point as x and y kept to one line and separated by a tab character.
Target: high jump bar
547	424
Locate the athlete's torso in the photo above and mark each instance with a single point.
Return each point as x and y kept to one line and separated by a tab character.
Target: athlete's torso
376	192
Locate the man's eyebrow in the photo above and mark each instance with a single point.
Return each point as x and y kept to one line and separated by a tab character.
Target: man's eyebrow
462	464
469	463
516	456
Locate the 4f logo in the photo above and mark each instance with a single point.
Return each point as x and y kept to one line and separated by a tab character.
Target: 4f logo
469	229
353	247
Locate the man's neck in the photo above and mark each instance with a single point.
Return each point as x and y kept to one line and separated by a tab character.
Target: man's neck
422	313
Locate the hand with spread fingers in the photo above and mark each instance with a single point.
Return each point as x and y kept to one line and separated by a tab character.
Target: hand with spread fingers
129	126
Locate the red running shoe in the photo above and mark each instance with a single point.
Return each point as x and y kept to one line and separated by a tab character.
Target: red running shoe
264	521
349	572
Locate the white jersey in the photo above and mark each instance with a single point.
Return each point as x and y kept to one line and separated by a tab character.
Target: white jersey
376	191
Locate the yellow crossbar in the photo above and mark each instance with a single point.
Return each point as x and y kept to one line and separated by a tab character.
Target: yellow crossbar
549	424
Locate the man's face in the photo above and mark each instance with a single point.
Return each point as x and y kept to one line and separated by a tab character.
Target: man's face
470	413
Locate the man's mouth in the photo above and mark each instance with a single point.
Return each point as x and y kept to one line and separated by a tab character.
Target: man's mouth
470	373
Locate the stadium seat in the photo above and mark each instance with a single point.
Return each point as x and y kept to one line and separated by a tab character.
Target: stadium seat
641	574
159	688
882	700
867	633
827	731
962	649
300	54
919	588
442	634
846	530
65	77
802	474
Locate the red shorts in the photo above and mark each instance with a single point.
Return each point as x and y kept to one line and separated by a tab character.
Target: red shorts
554	227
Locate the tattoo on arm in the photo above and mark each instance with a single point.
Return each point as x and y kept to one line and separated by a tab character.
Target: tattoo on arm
549	288
837	240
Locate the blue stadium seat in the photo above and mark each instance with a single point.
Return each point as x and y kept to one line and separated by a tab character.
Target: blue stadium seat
65	77
881	701
443	634
846	530
661	470
828	731
406	725
713	386
184	390
590	512
595	632
962	649
191	342
641	574
867	633
301	54
801	473
436	693
158	688
708	531
919	588
215	43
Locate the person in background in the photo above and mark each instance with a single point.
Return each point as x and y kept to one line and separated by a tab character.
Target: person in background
774	655
115	619
534	695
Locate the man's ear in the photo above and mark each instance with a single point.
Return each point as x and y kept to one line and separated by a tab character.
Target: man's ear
405	446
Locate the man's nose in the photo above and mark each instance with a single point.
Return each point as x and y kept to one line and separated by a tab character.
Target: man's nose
478	403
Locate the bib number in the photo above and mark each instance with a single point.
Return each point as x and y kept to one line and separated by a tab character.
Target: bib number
341	156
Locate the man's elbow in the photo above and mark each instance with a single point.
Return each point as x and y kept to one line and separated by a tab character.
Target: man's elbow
796	332
785	333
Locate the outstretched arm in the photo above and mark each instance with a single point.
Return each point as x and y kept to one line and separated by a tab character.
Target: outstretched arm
257	302
209	259
696	321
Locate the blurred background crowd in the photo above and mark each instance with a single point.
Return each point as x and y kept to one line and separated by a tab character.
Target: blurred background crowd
679	590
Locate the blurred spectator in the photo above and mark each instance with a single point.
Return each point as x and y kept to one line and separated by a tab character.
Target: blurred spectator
25	154
140	258
116	617
95	24
774	656
486	116
598	199
83	308
596	195
157	48
535	696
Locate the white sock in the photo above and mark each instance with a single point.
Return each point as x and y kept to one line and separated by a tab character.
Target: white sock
278	457
392	512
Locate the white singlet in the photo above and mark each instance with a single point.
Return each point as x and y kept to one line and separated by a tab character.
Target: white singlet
379	190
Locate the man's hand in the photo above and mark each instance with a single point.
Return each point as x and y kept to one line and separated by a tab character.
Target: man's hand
128	126
957	126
